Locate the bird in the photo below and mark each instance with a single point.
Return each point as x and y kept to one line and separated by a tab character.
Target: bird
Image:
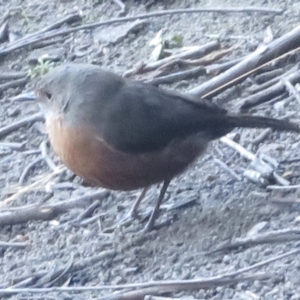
123	135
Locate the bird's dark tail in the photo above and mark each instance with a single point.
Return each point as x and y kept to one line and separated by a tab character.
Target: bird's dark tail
262	122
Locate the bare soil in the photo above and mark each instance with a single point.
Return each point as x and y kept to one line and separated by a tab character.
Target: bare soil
221	207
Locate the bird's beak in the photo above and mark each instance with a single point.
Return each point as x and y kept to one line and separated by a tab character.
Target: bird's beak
25	97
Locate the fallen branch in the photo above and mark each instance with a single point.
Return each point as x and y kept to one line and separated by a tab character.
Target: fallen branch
276	236
278	48
262	170
13	84
20	123
48	211
48	276
269	93
196	51
12	75
160	287
39	183
20	245
192	73
40	36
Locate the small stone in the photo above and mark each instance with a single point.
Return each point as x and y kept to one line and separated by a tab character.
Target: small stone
226	259
13	111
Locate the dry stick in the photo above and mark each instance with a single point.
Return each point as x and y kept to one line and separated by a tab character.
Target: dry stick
13	146
290	187
195	52
150	288
86	213
268	93
27	169
43	179
172	78
211	57
120	4
206	284
50	279
261	137
268	75
5	17
197	71
13	84
75	17
23	122
15	245
156	287
40	36
252	157
224	166
271	82
45	156
216	69
261	56
78	265
12	75
67	19
285	200
48	211
237	147
276	236
291	88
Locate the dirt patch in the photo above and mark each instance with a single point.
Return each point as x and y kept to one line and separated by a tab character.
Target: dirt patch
221	206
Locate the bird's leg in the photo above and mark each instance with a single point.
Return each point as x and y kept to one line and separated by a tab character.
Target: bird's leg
133	211
155	211
132	214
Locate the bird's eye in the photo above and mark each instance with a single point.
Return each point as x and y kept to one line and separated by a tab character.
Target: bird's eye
48	95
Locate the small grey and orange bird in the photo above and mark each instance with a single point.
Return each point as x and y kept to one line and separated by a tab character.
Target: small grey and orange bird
125	135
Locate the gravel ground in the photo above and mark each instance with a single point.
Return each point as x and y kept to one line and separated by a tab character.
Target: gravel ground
220	207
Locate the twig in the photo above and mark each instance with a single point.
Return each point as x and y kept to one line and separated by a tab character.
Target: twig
261	137
177	287
211	57
86	213
291	89
48	211
75	17
49	279
275	50
92	219
40	182
285	200
27	169
216	69
45	156
224	166
13	84
276	236
120	4
262	168
42	276
158	287
13	245
257	88
194	52
237	147
154	287
277	187
177	76
23	122
269	75
13	146
268	93
12	75
26	41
